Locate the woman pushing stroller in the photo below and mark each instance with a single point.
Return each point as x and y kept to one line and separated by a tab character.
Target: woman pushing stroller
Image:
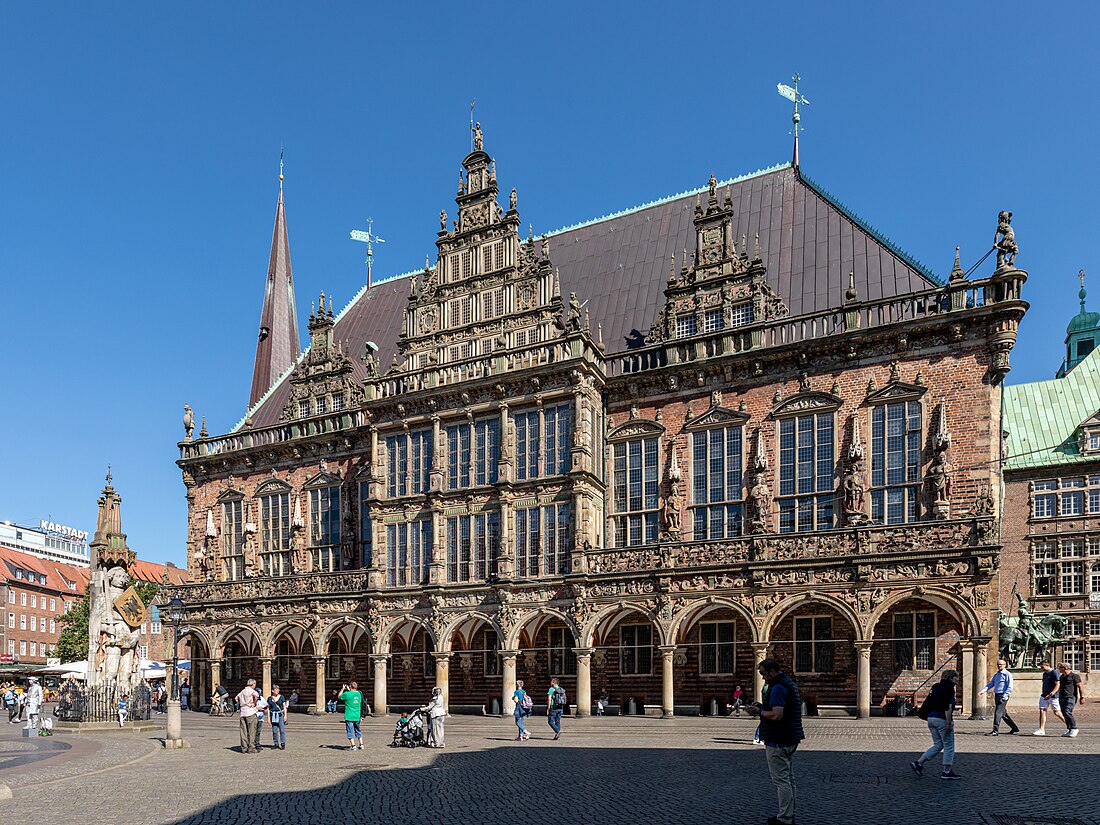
436	711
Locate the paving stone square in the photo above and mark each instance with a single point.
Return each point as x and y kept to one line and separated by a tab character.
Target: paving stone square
608	771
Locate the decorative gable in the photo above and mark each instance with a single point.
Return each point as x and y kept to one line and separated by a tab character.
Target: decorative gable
807	402
322	382
1089	438
636	428
896	391
721	287
717	417
273	486
324	479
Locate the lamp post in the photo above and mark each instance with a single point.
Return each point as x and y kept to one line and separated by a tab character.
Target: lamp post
175	610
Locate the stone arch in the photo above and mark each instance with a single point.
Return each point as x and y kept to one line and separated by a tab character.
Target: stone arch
514	635
611	615
399	624
787	605
198	634
950	602
696	609
330	630
468	622
233	631
272	636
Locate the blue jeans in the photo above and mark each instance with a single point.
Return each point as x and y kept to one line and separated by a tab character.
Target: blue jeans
1067	704
278	732
553	718
942	740
519	714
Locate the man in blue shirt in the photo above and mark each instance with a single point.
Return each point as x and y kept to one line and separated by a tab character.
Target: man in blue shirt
1001	686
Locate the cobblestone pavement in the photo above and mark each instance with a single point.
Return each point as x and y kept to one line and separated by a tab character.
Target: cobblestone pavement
605	771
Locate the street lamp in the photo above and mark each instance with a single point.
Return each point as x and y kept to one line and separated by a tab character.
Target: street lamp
175	610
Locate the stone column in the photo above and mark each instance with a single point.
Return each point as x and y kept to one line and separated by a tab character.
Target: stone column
443	676
379	660
667	687
509	687
863	680
319	705
215	680
981	675
966	677
266	663
584	680
759	654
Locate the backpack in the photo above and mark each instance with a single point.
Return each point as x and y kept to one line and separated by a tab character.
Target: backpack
526	702
9	698
559	697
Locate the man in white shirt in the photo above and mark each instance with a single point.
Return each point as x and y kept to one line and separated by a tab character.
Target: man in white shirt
248	701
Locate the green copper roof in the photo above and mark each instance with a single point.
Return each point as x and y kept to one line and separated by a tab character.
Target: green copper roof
1042	417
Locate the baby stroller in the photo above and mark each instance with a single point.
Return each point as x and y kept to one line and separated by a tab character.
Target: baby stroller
410	730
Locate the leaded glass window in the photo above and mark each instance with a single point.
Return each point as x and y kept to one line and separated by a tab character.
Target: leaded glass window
716	483
896	462
634	492
806	454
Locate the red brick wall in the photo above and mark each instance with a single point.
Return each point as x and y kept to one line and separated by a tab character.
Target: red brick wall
835	687
887	679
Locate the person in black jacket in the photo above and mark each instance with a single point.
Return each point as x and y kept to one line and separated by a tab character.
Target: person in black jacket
781	730
939	709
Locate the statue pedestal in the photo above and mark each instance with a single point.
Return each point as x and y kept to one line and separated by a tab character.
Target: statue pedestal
1027	687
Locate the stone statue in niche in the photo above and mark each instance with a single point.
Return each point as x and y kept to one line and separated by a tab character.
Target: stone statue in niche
853	485
672	509
761	498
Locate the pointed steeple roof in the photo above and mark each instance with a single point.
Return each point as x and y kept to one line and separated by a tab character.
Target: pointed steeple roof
108	547
279	345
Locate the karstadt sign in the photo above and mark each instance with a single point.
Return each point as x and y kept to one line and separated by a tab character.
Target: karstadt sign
70	533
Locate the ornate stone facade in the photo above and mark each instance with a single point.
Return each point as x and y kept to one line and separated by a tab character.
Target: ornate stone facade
513	498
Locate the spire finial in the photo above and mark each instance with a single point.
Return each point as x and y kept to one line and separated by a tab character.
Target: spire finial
957	273
108	475
791	93
280	168
1081	294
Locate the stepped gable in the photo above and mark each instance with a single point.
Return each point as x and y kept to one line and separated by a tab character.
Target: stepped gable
620	264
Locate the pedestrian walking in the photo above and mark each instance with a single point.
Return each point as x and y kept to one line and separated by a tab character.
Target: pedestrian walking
123	709
523	707
437	712
555	706
276	710
1070	693
353	714
1001	686
185	694
1048	698
247	700
21	698
939	711
11	702
781	729
602	702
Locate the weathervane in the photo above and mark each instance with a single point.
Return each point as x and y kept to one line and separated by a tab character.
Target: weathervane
370	239
791	93
280	168
472	102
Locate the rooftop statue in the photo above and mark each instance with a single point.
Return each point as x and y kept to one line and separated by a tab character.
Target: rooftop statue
1004	241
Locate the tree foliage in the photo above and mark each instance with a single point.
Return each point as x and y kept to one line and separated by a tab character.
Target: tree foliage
72	643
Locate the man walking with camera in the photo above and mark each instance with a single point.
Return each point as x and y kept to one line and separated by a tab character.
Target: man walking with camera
781	731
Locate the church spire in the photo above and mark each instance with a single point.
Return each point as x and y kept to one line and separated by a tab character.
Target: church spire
279	344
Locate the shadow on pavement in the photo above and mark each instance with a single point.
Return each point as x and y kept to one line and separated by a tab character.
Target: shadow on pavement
628	786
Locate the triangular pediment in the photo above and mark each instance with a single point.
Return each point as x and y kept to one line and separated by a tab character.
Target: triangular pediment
717	417
636	428
896	391
230	494
273	485
324	479
807	402
1092	421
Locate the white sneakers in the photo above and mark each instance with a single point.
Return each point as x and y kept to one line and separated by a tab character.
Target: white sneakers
1070	733
1039	733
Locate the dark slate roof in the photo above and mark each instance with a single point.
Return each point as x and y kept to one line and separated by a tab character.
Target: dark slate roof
620	264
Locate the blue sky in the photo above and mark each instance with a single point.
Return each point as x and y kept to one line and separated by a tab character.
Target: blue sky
139	155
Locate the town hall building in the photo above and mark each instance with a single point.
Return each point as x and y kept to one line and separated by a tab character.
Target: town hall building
640	454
